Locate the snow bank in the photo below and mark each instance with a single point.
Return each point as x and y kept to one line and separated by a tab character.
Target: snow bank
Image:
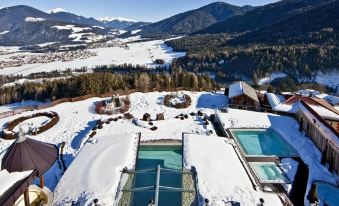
221	177
96	171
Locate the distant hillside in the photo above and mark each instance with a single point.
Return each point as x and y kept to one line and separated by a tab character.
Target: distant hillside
302	44
318	25
136	26
73	18
114	23
262	16
194	20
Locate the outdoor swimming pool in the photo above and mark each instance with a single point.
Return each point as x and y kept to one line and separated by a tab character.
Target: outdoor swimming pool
262	142
327	193
269	172
149	157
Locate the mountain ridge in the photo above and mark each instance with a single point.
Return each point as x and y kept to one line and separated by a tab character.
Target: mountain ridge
193	20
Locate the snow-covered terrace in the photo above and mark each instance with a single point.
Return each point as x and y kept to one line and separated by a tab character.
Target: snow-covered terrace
288	128
221	176
96	171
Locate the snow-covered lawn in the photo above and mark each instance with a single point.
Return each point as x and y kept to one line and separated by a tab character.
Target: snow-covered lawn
142	53
31	124
221	177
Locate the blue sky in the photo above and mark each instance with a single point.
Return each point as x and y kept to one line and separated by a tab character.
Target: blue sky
141	10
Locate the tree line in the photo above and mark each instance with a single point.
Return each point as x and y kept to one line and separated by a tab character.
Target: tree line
104	82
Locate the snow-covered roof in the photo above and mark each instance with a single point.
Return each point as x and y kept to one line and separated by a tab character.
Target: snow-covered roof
95	172
333	100
325	113
326	130
9	179
239	88
308	92
222	178
275	99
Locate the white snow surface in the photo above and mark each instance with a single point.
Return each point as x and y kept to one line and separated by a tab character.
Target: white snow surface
33	19
334	100
330	79
96	171
324	112
221	177
271	77
288	128
235	89
142	53
9	179
72	27
56	10
274	99
78	118
13	106
136	31
289	167
121	19
3	32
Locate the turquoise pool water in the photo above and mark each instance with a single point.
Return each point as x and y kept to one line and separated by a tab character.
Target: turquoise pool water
263	142
269	172
149	157
327	193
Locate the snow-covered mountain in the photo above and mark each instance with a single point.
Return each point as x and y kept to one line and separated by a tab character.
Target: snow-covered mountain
107	19
56	10
23	25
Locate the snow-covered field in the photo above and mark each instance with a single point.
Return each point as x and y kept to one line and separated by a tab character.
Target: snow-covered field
142	53
78	118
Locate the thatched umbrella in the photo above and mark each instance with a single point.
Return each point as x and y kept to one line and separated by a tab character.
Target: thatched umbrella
29	154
